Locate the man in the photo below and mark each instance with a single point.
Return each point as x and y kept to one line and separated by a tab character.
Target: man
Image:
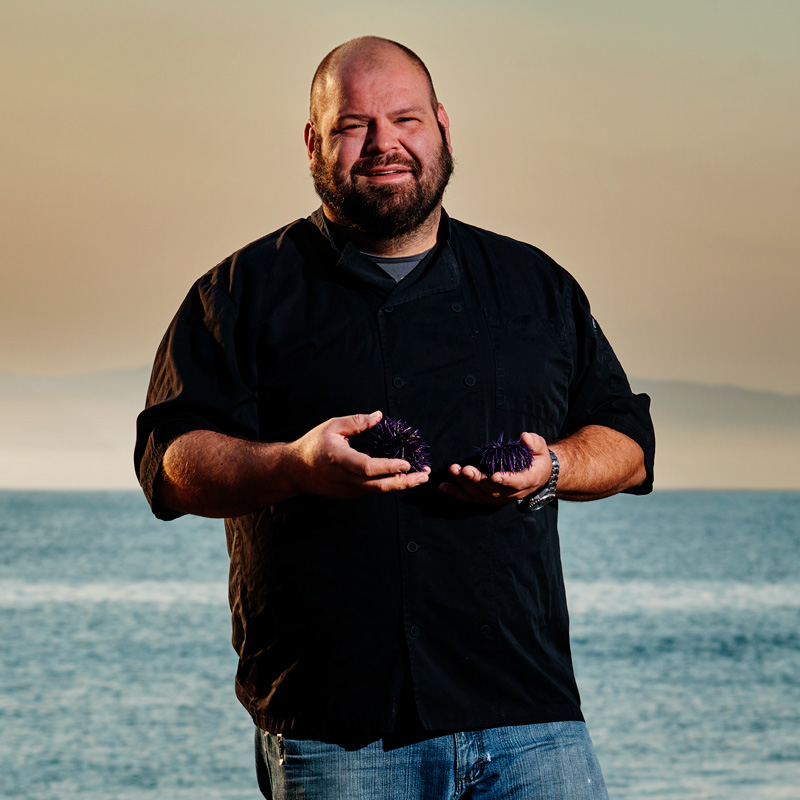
401	633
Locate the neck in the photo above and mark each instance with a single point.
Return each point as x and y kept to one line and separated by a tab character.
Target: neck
422	238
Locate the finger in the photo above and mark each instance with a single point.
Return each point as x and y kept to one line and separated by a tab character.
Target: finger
468	472
514	481
459	482
375	467
472	473
396	483
481	491
520	484
358	463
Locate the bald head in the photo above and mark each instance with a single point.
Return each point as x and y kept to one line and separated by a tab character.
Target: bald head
369	53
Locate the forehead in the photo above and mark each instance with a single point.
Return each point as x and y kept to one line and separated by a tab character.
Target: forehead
376	86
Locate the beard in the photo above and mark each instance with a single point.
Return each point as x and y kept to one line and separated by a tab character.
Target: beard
383	212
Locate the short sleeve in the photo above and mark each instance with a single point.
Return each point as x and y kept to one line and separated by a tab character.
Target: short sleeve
201	380
600	393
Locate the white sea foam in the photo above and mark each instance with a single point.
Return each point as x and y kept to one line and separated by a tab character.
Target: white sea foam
585	597
20	593
620	597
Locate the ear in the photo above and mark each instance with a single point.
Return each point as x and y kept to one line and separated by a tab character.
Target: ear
310	137
444	121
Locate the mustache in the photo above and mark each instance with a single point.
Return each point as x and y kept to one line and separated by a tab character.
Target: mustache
378	162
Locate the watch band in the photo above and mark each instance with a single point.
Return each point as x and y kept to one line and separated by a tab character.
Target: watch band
533	502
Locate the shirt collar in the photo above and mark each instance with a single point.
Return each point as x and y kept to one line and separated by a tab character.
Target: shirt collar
437	272
318	218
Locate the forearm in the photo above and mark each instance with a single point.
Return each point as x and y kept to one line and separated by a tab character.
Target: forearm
597	462
214	475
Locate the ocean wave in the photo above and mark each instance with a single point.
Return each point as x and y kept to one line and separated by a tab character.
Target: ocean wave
621	597
20	593
585	597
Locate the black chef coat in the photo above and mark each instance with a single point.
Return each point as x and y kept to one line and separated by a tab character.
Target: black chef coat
337	604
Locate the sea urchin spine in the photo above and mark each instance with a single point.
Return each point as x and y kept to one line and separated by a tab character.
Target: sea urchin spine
392	438
503	455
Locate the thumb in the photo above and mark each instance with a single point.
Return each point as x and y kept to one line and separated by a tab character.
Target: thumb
535	442
356	423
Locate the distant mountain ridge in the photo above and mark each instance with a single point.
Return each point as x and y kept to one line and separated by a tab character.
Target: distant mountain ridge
720	406
78	431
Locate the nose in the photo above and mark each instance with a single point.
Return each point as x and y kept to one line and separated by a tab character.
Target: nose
381	138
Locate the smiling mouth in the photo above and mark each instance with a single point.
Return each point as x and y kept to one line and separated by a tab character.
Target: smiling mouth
378	168
377	173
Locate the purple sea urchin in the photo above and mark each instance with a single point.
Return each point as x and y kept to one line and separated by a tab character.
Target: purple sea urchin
503	455
392	438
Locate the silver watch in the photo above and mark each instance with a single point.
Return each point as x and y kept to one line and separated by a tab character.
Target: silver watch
533	502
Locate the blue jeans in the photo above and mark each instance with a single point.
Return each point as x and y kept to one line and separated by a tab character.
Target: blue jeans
551	761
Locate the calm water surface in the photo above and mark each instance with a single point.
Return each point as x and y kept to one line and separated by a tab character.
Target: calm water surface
116	671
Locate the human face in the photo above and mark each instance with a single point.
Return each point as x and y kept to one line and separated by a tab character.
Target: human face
380	152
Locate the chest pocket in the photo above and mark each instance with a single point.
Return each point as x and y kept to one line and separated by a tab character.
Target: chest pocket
533	366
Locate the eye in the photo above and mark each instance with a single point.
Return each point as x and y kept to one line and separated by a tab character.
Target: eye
350	126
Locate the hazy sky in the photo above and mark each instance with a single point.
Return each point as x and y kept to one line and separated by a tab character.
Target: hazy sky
652	148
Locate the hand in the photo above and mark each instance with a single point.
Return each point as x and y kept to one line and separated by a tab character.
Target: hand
322	462
471	485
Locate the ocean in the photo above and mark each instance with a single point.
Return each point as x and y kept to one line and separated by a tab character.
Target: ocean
116	670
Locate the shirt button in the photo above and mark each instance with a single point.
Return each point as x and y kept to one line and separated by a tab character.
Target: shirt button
456	307
485	630
469	380
388	309
412	547
415	631
399	383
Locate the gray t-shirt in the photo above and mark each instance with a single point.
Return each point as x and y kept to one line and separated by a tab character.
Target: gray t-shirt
397	268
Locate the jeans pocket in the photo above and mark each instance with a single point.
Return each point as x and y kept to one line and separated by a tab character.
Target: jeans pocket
262	764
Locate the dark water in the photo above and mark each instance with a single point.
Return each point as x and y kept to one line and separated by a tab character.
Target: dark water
116	672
